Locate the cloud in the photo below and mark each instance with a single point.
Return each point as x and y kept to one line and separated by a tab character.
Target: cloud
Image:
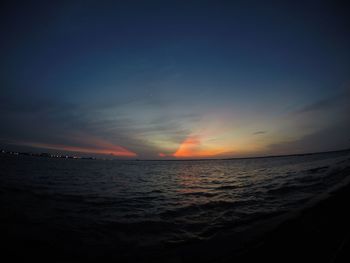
259	132
326	104
49	123
193	147
334	137
99	147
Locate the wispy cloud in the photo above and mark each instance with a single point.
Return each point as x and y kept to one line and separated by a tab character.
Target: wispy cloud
194	147
109	149
259	132
332	137
323	104
119	130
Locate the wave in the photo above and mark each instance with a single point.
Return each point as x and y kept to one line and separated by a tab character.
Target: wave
318	169
164	202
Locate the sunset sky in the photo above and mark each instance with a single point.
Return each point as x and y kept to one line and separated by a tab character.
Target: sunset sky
175	79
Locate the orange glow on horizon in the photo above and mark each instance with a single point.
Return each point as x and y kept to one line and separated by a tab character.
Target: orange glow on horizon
111	150
192	147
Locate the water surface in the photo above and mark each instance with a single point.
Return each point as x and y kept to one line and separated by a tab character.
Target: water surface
128	205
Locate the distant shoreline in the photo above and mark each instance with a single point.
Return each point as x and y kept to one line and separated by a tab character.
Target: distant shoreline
253	157
64	156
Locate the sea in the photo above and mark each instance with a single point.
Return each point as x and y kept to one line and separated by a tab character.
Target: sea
154	211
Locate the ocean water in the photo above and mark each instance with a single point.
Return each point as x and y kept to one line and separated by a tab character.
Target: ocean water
120	208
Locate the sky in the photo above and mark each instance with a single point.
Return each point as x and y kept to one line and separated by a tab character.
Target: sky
175	79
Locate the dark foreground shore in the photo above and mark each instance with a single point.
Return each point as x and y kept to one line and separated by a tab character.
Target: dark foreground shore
316	234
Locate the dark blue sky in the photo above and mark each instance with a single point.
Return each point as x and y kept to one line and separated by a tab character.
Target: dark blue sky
175	78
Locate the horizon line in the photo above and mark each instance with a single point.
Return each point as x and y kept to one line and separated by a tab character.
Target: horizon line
210	159
240	158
